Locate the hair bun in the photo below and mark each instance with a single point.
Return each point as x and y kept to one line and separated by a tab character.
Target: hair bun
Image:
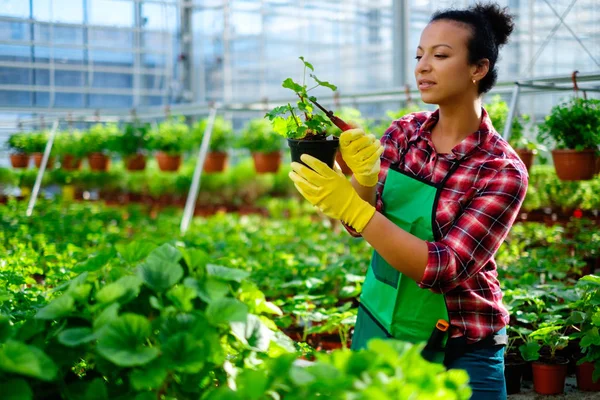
499	18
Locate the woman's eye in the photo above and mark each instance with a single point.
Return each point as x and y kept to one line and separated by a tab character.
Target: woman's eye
441	55
418	57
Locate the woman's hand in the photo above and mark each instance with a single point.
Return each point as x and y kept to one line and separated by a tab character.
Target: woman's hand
331	192
361	152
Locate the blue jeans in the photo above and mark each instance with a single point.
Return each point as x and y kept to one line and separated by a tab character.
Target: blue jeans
486	372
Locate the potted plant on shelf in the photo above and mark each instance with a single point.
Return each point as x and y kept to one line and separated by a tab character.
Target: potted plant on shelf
220	138
526	149
574	129
131	143
19	152
308	135
170	140
70	148
258	137
97	142
549	371
37	146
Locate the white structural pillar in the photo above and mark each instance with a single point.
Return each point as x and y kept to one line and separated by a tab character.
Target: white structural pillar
40	175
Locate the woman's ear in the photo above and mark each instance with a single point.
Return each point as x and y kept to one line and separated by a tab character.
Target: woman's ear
480	69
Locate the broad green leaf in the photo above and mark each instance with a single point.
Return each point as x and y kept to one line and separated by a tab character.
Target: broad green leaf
277	111
29	329
123	342
107	316
79	289
252	384
123	290
577	317
308	65
75	336
5	296
590	279
324	83
596	318
135	251
145	396
95	262
158	274
226	274
5	328
530	351
185	353
209	289
226	310
301	377
19	358
591	337
57	308
253	333
290	84
182	297
280	126
166	253
16	389
194	258
151	376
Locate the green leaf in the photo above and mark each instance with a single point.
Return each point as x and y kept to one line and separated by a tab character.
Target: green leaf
123	342
75	336
16	389
226	274
30	328
577	317
290	84
5	329
182	297
19	358
252	384
596	318
123	290
301	377
158	274
305	107
94	262
107	316
185	353
166	253
590	279
277	111
58	308
324	83
209	289
530	351
226	310
308	65
79	289
591	337
135	251
253	333
150	376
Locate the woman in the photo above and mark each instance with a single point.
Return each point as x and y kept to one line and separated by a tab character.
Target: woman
435	198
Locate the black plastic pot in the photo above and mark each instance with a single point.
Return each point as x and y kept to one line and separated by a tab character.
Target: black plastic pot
513	372
323	150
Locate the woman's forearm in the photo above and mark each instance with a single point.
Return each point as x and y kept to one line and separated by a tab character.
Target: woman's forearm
365	193
402	250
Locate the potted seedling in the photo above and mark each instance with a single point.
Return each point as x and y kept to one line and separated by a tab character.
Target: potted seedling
307	134
526	149
221	135
37	146
130	143
19	152
70	148
549	372
97	142
574	128
170	140
257	136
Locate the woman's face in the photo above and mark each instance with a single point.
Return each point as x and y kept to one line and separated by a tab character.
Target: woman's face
442	72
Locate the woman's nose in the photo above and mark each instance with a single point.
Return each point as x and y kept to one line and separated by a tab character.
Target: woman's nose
423	65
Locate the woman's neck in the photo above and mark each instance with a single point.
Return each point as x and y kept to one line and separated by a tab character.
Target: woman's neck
456	122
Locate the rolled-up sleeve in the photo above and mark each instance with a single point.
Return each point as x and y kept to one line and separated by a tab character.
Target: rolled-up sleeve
477	233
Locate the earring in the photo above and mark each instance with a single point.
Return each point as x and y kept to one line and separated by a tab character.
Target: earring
474	82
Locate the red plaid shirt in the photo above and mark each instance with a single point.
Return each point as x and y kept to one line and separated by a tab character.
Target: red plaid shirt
476	210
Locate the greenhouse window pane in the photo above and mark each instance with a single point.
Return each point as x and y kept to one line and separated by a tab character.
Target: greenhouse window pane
111	12
110	100
42	77
70	11
14	8
15	76
41	99
14	31
111	57
61	55
14	53
114	80
58	34
246	23
69	78
68	100
109	37
14	98
159	17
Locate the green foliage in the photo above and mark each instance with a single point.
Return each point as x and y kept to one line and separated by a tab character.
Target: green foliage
292	126
258	136
574	124
221	136
132	139
379	128
170	136
99	138
70	142
18	143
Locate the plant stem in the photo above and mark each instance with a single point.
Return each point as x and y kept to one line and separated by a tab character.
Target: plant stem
314	87
293	115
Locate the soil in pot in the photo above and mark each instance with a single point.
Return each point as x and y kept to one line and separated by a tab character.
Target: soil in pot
19	160
549	375
574	165
98	161
324	150
70	163
135	162
526	156
168	162
37	160
513	373
343	166
584	376
265	163
215	162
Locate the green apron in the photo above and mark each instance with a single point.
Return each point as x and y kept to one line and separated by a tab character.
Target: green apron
392	305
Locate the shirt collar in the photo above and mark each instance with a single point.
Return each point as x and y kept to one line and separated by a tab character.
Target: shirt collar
468	145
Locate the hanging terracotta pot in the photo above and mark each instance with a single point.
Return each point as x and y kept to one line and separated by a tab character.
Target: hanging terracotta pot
167	162
215	161
37	160
70	163
584	375
526	156
98	162
19	160
574	165
266	162
550	378
135	162
343	166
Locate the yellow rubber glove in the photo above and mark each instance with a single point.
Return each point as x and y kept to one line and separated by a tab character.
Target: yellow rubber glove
361	152
331	192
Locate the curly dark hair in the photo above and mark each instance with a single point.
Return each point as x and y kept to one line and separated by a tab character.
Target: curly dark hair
490	26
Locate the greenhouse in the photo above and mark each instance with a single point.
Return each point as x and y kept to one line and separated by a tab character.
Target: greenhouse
238	199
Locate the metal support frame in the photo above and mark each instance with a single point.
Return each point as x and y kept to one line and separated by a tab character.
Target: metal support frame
401	34
190	203
40	174
511	111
